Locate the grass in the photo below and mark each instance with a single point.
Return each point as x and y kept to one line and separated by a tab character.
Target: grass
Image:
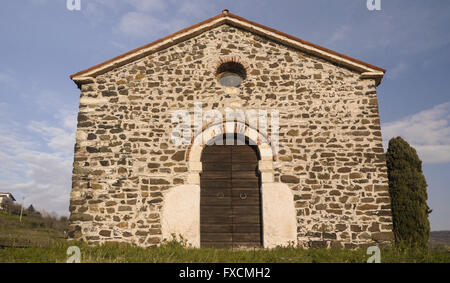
30	241
176	252
30	232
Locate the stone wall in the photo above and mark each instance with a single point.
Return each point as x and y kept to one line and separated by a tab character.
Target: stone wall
330	156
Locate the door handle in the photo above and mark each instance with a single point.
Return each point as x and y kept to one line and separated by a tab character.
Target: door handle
243	196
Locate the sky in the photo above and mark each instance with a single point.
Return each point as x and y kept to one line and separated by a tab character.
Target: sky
42	43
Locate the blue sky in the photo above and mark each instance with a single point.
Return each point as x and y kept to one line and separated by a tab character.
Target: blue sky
42	43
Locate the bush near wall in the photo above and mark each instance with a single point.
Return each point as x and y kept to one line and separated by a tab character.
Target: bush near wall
408	190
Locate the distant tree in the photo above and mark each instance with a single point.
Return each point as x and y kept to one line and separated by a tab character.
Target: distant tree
31	210
408	190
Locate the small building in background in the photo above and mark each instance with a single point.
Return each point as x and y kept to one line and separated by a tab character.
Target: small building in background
6	198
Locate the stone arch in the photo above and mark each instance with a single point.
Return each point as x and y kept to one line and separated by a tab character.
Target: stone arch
233	59
213	130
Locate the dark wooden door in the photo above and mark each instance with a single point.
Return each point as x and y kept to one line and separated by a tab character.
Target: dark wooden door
230	205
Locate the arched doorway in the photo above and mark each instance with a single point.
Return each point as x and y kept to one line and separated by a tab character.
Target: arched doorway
230	196
181	210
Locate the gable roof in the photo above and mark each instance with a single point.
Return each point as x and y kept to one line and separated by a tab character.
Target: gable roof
8	195
367	70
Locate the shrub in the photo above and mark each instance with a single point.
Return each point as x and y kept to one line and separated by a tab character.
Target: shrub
408	190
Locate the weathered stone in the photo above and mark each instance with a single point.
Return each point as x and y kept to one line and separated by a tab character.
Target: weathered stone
92	149
81	217
140	76
318	244
321	206
125	208
179	156
122	225
105	233
141	233
383	236
290	179
97	187
329	236
355	228
110	203
91	136
344	170
367	207
108	93
153	240
375	227
341	227
355	176
155	201
159	182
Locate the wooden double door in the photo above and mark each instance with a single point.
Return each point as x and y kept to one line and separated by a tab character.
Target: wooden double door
230	200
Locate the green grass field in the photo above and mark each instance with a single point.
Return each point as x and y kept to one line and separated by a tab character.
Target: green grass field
174	252
30	241
30	232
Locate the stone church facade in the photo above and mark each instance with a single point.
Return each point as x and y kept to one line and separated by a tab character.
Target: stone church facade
322	183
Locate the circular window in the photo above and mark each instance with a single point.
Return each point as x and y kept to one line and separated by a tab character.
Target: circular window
230	79
231	74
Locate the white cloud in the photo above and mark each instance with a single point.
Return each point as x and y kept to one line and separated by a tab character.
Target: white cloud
196	8
146	18
401	28
58	139
428	131
139	24
147	5
39	166
47	100
3	109
113	5
39	2
120	46
94	12
397	70
11	145
398	30
6	77
340	34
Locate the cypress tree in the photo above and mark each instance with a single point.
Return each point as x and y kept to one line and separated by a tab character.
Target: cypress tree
408	190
